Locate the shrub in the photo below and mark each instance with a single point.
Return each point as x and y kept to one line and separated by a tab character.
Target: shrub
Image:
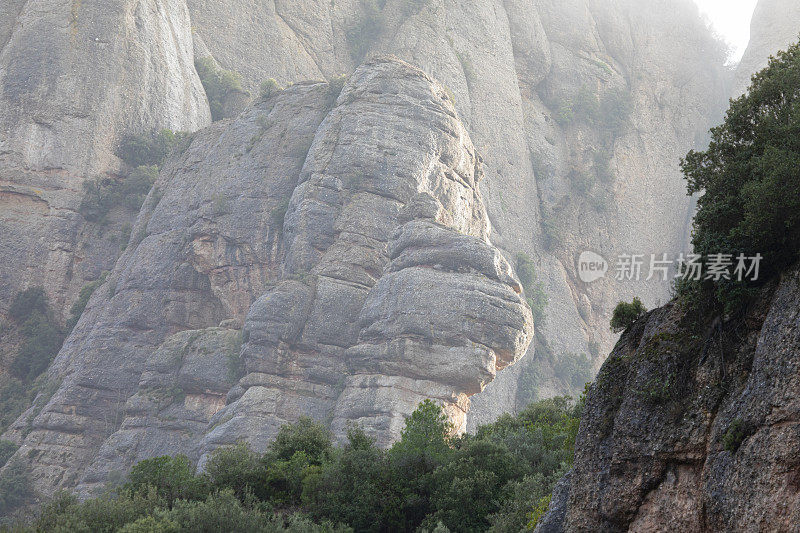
268	88
219	85
130	192
467	486
15	487
151	149
27	303
749	181
367	30
172	477
539	511
7	449
625	314
41	342
535	294
574	369
615	110
355	488
236	468
41	336
83	300
307	436
109	513
735	435
15	397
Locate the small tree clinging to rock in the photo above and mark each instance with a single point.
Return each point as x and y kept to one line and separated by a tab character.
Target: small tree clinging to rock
625	314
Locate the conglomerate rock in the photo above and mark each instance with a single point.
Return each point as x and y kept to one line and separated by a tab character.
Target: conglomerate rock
691	429
343	233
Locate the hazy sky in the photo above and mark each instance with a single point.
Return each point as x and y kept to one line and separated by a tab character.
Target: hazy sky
731	19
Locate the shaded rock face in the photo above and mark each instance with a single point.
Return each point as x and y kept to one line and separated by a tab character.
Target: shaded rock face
74	77
694	430
343	234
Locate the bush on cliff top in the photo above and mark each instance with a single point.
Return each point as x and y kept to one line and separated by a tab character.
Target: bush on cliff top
625	314
218	83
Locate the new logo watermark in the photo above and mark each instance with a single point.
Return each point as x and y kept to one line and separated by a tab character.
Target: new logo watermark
591	267
662	267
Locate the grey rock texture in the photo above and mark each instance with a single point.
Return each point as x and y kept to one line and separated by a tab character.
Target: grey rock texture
203	248
693	430
775	25
183	384
513	67
362	241
75	77
343	233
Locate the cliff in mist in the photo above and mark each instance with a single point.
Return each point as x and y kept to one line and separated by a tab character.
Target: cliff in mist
342	248
692	422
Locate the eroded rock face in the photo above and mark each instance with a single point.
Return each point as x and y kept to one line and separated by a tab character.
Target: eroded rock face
561	178
75	77
343	233
203	249
514	68
694	430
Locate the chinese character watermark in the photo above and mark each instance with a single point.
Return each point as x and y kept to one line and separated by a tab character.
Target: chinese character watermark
663	267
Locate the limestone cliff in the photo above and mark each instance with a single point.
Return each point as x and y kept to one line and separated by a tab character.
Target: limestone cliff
567	103
74	78
692	427
775	25
342	233
359	246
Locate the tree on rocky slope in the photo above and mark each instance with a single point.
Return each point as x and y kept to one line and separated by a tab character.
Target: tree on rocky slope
749	179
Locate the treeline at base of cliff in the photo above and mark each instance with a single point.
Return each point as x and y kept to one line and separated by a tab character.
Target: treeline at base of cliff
498	480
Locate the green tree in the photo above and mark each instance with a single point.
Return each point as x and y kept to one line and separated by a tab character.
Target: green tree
27	303
237	468
15	487
625	314
218	83
749	181
173	478
355	488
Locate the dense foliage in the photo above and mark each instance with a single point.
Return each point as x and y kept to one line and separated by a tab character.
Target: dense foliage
535	294
219	85
625	314
493	480
41	338
750	181
151	149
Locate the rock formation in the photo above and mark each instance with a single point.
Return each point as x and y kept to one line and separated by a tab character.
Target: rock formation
362	242
692	430
74	78
344	234
689	429
775	25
